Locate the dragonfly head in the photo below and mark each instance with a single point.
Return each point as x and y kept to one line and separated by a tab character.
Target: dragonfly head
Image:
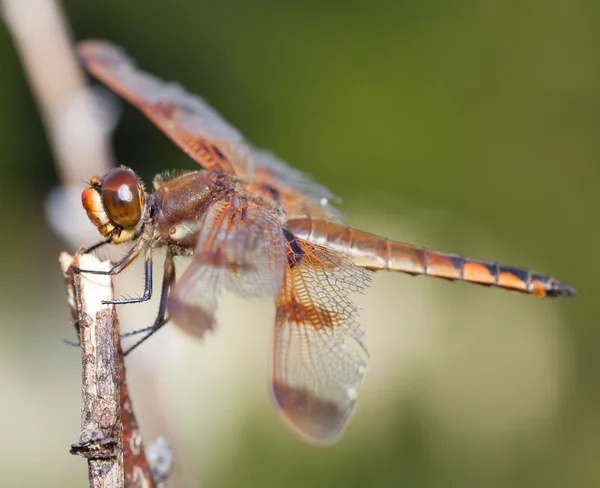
115	204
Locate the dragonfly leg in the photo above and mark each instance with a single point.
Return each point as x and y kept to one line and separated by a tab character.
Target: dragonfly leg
147	284
96	246
125	261
161	318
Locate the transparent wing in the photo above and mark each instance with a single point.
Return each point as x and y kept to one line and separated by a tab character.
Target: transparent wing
201	132
187	119
319	358
240	248
299	195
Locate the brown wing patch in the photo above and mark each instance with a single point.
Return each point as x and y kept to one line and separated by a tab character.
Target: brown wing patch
319	358
187	119
241	249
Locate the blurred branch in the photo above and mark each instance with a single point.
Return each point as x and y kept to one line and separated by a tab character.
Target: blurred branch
110	438
77	126
71	117
138	472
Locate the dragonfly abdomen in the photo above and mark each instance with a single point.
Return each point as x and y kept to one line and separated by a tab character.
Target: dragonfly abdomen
379	253
490	273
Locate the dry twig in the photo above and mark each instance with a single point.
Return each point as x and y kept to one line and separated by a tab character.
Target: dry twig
101	437
110	439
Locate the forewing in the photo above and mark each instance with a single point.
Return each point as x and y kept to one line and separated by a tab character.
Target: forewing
319	358
187	119
202	133
297	193
240	248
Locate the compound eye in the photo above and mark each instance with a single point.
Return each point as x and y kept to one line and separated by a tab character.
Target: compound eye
122	197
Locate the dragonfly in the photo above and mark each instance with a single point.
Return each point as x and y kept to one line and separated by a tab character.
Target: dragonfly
254	226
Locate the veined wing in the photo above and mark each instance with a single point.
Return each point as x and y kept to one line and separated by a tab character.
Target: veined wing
318	359
241	248
201	132
187	119
295	191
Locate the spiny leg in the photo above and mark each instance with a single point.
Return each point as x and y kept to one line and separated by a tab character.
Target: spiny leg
147	284
96	246
167	282
125	261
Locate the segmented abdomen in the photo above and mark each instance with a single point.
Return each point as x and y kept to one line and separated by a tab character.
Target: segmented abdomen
378	253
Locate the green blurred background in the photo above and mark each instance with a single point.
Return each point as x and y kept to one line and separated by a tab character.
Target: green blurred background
467	126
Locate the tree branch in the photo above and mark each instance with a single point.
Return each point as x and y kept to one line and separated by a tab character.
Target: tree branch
110	439
100	439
